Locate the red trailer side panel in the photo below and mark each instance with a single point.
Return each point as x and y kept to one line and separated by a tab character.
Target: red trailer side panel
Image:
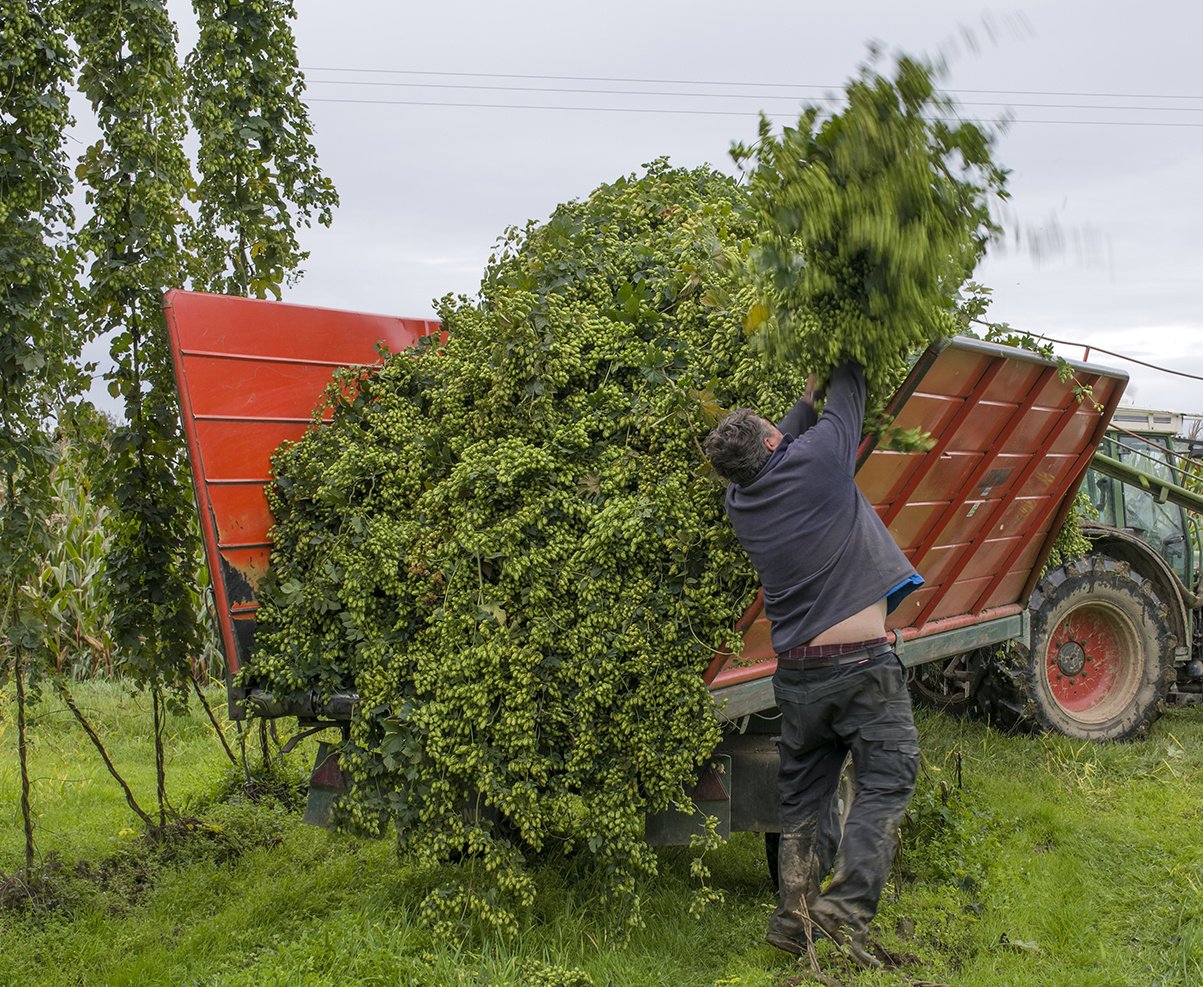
250	373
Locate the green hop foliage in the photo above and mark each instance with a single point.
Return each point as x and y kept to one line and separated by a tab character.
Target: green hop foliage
512	547
872	218
38	335
259	179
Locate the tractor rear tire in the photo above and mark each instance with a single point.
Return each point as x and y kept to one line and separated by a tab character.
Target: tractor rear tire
1101	658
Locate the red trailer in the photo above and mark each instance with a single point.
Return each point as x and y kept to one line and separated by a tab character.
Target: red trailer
976	514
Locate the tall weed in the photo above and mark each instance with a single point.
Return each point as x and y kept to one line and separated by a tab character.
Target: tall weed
70	583
71	577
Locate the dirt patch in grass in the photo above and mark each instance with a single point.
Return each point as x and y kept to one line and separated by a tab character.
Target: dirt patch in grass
250	817
47	889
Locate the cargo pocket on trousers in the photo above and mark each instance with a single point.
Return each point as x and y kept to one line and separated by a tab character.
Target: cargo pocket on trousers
892	735
897	751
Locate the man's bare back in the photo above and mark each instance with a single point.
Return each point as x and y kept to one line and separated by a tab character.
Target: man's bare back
868	625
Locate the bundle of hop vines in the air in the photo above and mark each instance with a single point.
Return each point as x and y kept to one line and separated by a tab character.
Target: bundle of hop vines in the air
871	219
513	548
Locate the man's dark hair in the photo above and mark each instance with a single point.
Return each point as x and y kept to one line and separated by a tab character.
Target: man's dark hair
736	446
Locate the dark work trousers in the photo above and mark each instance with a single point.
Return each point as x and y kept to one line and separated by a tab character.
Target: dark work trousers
863	709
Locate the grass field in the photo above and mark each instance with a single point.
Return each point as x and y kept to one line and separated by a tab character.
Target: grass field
1026	861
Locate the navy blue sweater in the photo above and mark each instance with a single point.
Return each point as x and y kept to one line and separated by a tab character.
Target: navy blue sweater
820	549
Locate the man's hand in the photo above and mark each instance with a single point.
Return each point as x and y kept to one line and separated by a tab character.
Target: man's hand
810	396
803	414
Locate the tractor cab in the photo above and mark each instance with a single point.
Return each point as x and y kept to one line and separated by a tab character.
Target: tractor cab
1148	442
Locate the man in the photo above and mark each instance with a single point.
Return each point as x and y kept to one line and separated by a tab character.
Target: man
831	572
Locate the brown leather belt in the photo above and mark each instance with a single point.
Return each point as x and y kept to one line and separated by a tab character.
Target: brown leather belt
793	660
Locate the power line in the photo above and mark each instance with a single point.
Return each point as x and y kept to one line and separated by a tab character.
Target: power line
1118	356
698	95
531	106
695	112
697	82
550	89
1037	92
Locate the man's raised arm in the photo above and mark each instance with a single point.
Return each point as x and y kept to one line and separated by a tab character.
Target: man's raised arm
802	415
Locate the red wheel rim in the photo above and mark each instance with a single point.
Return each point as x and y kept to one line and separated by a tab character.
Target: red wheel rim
1093	665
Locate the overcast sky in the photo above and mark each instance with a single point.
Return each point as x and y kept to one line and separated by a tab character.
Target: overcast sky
1106	145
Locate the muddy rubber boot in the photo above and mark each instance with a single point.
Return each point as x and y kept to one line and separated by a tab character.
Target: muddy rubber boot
852	937
800	872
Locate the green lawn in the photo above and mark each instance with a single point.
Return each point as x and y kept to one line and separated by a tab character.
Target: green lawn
1052	863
